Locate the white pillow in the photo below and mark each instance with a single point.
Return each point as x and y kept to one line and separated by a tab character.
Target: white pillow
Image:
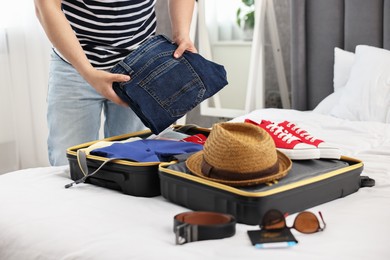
343	61
328	103
367	93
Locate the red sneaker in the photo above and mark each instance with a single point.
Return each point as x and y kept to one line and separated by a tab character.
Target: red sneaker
287	143
326	151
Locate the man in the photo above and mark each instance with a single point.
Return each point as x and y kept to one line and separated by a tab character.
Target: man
89	37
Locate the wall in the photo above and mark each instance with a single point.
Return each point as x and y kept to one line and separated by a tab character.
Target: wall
8	153
163	21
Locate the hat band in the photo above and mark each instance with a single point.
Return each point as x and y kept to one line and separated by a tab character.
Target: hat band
216	173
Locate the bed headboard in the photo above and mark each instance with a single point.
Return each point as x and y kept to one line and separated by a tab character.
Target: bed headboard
320	25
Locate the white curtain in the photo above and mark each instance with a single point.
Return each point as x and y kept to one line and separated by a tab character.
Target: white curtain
24	62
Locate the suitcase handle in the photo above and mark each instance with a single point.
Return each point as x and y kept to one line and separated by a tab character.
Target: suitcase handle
366	181
82	161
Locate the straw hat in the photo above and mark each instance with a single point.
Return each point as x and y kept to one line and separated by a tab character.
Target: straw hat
239	154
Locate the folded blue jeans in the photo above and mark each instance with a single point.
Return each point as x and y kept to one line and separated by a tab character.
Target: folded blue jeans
162	88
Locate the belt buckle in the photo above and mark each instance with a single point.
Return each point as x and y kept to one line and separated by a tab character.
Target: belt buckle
186	233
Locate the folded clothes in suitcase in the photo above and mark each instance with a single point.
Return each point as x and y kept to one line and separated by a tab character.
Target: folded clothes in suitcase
239	173
130	177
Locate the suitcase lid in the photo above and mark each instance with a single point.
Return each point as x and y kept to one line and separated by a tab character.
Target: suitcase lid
301	174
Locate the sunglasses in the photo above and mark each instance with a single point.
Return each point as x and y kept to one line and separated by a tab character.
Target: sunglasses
305	222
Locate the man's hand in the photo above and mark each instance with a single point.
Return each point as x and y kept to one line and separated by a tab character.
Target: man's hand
184	44
102	81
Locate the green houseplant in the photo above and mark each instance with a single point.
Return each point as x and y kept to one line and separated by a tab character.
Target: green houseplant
245	18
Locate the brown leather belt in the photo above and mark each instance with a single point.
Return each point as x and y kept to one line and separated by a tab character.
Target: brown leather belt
202	225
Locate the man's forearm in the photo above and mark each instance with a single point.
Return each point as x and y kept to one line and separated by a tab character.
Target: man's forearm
181	16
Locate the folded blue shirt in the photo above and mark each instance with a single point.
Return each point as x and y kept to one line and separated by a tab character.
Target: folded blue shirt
148	150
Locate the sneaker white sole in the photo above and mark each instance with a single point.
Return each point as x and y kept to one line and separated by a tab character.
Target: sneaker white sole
330	153
301	154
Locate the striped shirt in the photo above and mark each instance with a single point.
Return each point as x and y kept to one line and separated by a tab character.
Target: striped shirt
108	30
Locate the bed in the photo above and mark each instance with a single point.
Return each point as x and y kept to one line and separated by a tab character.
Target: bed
40	219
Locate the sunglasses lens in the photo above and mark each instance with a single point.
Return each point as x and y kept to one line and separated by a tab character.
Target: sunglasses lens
306	222
273	219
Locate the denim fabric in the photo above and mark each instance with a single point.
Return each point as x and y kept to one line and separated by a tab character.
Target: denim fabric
162	89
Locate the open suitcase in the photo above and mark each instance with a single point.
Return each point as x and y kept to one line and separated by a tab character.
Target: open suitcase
132	178
309	183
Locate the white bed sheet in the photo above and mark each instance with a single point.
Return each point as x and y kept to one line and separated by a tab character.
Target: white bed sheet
40	219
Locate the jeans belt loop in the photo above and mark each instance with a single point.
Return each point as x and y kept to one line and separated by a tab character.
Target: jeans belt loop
125	67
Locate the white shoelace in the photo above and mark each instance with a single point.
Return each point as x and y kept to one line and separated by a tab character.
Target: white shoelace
302	133
279	131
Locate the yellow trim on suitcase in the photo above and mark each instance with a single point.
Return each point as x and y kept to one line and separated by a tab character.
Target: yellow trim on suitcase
356	165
